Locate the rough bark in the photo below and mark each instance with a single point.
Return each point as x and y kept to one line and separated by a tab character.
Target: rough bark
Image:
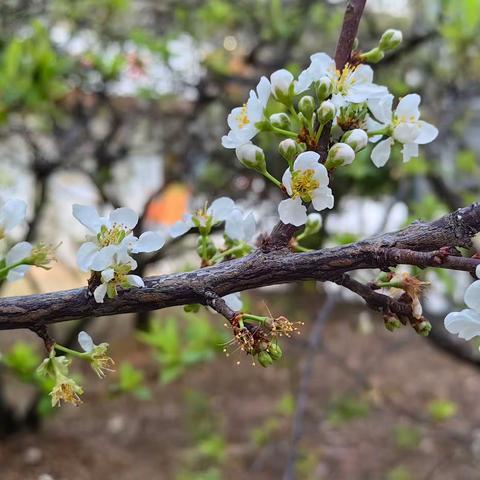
421	244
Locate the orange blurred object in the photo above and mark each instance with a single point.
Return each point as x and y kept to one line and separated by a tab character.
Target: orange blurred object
170	206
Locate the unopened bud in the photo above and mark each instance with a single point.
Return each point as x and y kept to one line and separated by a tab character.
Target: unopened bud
390	39
207	249
323	88
252	157
391	322
281	83
373	56
264	359
288	149
307	105
340	154
423	328
357	139
313	224
275	351
326	112
280	120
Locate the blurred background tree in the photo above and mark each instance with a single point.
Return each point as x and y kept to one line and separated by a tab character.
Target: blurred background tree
117	102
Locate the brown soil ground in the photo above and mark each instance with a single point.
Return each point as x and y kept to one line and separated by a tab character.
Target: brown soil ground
396	374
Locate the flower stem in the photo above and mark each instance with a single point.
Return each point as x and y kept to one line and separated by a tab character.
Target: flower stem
272	179
230	251
255	318
286	133
381	131
74	353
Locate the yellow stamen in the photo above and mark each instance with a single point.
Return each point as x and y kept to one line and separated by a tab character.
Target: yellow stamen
242	117
303	183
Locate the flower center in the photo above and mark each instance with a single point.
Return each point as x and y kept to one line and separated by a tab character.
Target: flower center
404	119
242	117
112	236
344	79
303	183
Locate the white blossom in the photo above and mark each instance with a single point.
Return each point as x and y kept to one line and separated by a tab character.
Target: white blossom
12	213
242	120
351	85
466	323
110	234
308	182
404	125
216	213
117	275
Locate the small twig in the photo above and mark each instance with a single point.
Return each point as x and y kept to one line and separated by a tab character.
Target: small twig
42	332
220	306
376	301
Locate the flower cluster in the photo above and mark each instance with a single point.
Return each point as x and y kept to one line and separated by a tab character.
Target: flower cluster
238	234
344	105
66	388
109	247
21	256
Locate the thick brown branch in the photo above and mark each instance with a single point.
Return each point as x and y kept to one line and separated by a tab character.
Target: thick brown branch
408	246
351	21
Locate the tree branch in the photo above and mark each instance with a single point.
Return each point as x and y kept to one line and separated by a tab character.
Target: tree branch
282	234
420	244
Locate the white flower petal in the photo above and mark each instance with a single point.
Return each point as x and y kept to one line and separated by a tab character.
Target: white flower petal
104	258
322	198
427	133
12	213
306	160
234	225
263	91
287	181
292	211
135	281
466	324
123	216
472	296
18	252
477	271
381	109
249	227
107	275
88	217
372	126
233	301
85	341
406	132
181	227
409	150
85	255
381	152
362	74
100	292
408	107
221	208
17	273
148	242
